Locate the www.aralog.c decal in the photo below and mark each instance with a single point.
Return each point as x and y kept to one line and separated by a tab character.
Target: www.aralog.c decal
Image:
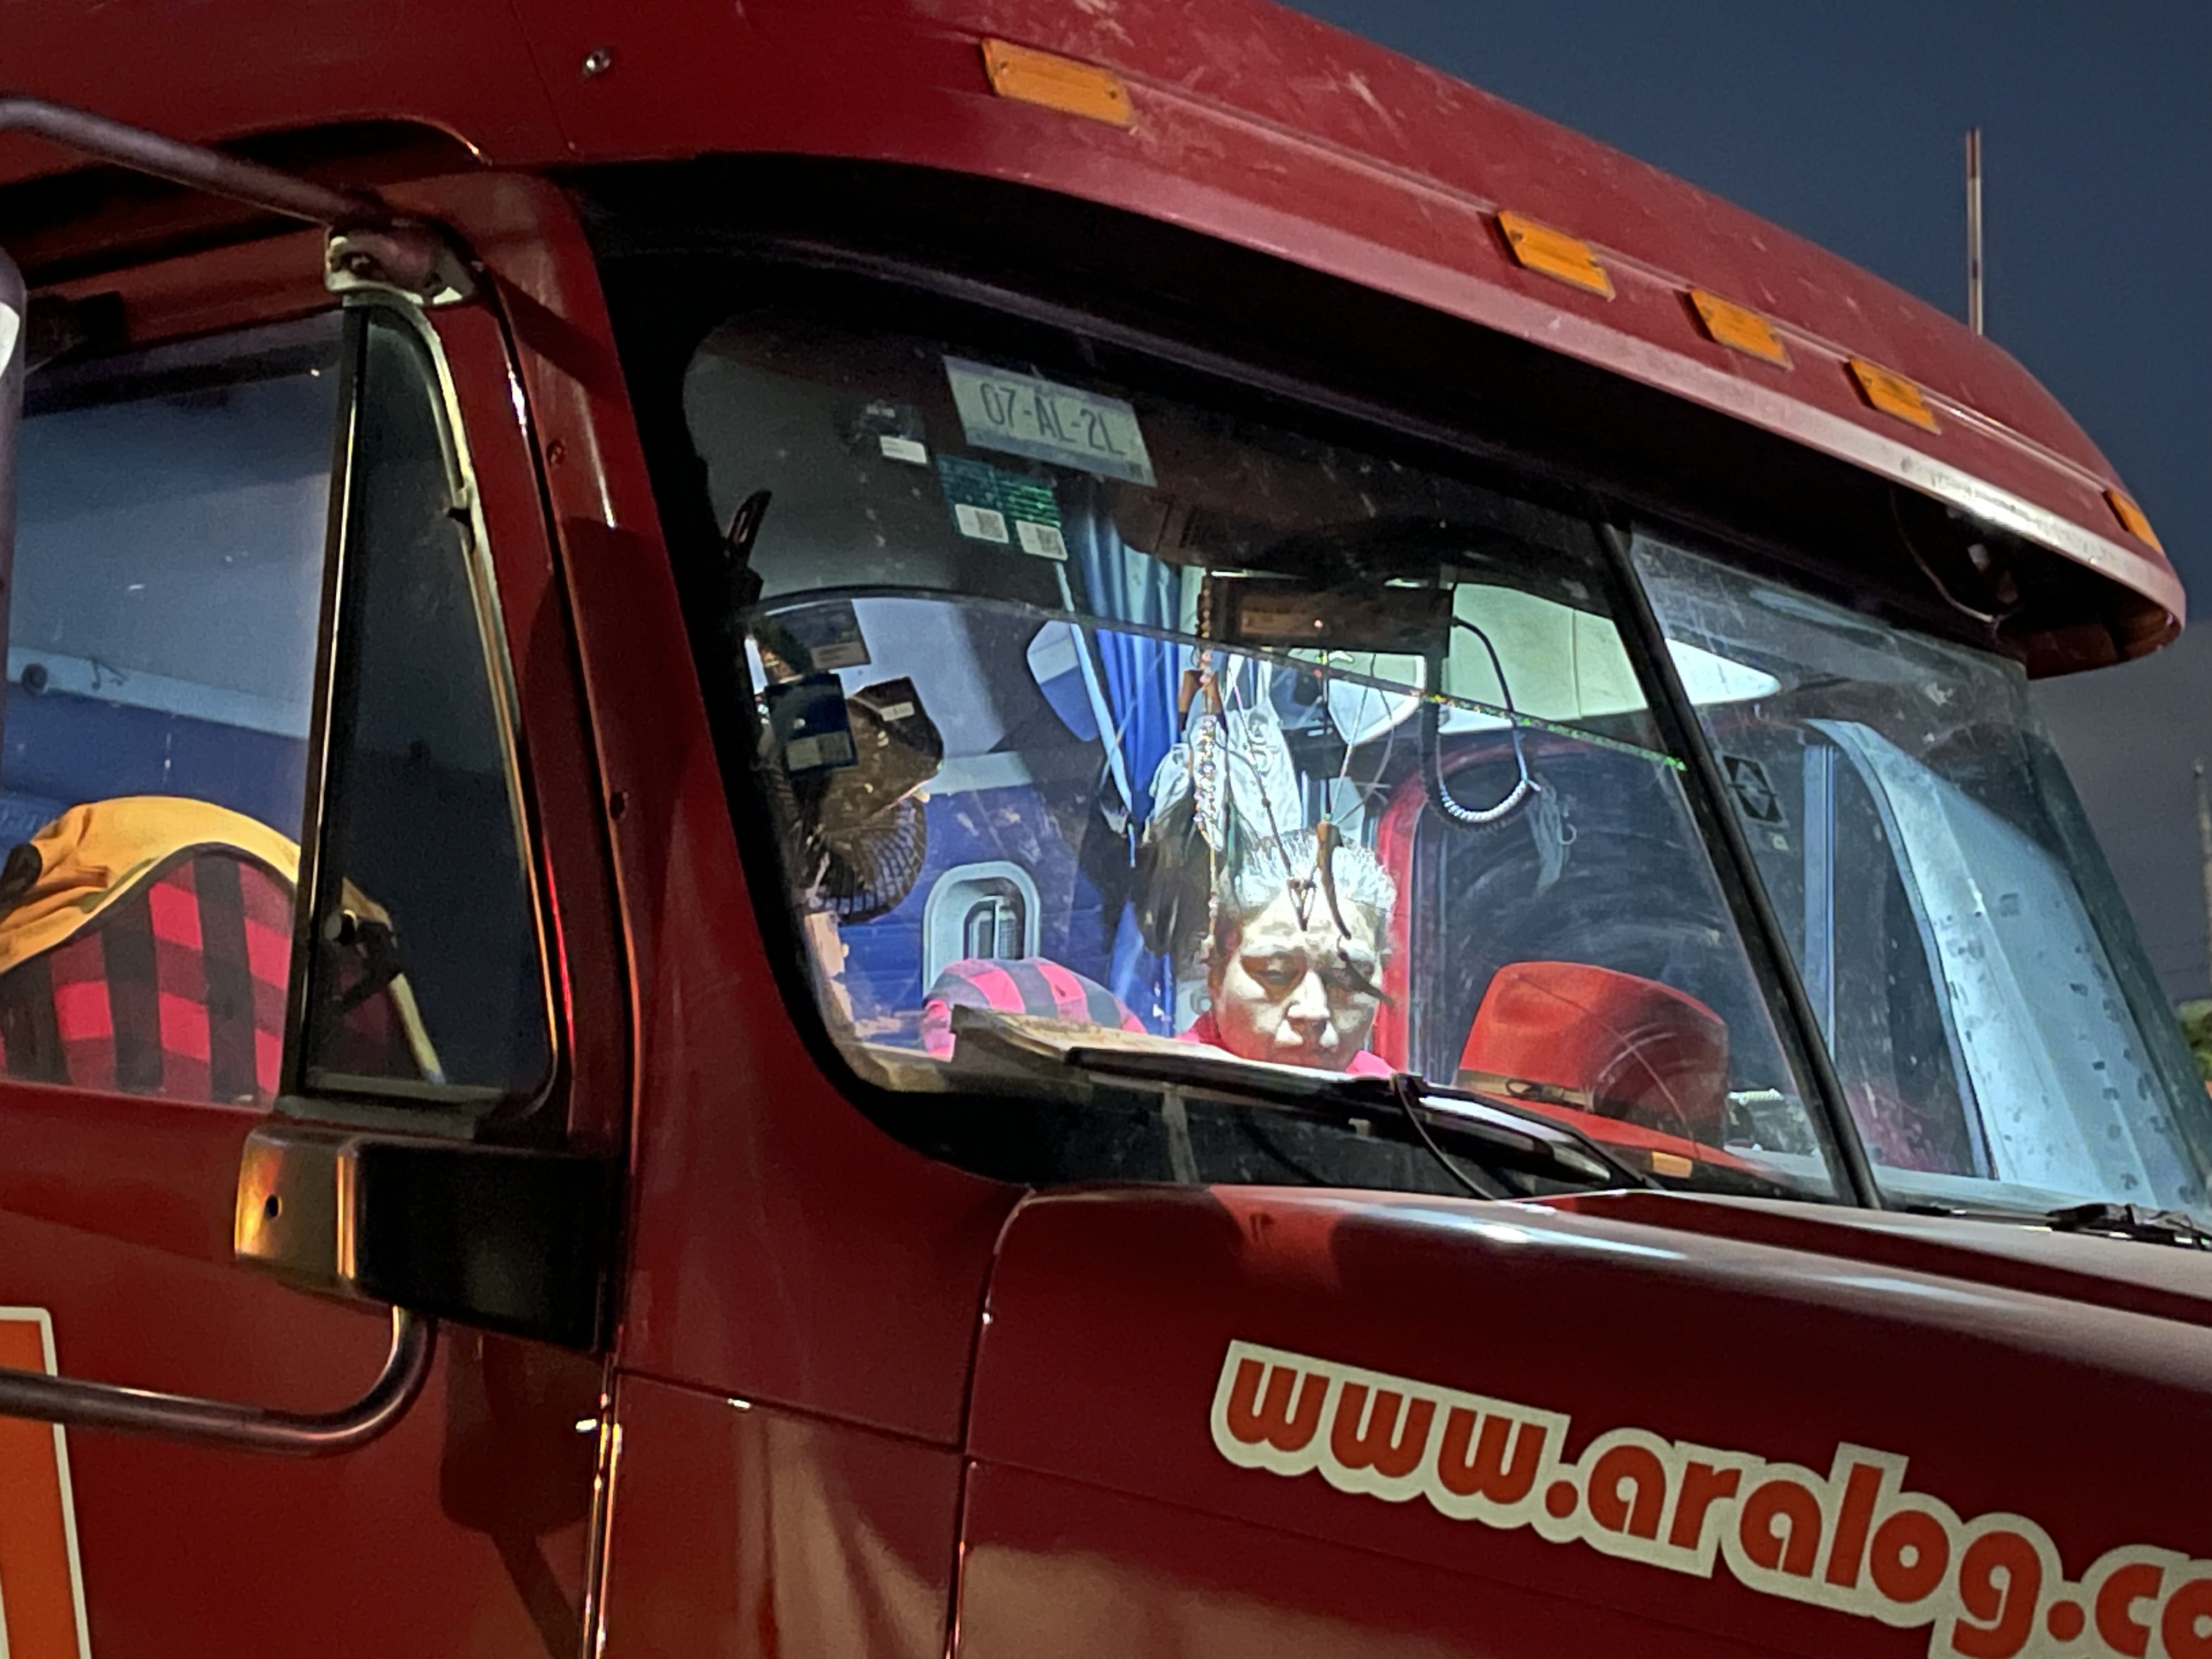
1854	1539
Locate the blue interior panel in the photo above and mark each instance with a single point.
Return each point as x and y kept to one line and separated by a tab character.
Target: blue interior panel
1018	825
60	749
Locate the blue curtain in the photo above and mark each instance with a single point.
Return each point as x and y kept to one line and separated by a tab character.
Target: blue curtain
1141	678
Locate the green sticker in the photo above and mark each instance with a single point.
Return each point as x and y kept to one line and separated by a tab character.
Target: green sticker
991	504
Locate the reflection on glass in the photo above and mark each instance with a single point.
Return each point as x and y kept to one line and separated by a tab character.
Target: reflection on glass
1267	752
1996	1031
161	625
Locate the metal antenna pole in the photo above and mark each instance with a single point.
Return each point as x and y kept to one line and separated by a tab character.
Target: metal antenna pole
2204	852
1974	229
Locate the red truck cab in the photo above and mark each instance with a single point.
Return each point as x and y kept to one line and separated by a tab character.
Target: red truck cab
959	827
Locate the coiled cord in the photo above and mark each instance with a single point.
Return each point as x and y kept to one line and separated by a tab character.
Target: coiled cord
1432	767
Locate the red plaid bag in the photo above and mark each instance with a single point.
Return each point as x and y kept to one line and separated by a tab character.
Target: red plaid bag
146	948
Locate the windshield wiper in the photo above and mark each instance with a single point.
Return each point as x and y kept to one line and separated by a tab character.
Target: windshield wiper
1565	1145
1497	1135
1500	1136
2098	1219
2131	1221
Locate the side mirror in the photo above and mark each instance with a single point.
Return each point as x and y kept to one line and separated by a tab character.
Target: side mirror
509	1238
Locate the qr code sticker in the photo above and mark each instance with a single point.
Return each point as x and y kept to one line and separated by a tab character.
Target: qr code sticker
985	524
1042	539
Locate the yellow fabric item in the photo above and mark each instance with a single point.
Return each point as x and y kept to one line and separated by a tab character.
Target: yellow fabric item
94	853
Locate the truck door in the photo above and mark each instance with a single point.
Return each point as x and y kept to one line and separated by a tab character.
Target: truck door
265	591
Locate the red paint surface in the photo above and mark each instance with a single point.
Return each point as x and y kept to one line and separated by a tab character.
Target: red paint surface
115	1216
781	1250
1111	1313
1253	125
1081	1573
739	1528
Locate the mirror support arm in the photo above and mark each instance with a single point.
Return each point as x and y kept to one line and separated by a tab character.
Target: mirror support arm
194	165
78	1404
368	244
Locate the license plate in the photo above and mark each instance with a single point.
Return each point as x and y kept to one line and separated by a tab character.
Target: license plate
1025	415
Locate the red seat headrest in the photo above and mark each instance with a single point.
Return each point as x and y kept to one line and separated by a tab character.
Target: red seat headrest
1018	986
1636	1049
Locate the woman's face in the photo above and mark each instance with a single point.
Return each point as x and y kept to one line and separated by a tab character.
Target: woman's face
1298	994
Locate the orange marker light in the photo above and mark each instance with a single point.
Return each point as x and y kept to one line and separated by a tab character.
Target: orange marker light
2125	510
1738	327
1555	253
1893	394
1055	82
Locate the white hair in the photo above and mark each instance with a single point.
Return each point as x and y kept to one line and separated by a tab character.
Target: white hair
1258	879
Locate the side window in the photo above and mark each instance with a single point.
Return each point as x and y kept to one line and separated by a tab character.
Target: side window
173	617
161	644
426	977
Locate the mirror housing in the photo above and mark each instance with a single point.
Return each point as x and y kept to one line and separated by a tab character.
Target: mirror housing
510	1239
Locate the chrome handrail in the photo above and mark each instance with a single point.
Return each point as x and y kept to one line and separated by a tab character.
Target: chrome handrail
78	1404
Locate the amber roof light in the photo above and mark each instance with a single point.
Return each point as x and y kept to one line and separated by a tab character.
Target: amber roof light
1067	84
1539	247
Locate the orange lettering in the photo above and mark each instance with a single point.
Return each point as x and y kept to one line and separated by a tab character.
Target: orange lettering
1278	1420
1853	1518
1389	1448
1909	1557
1489	1472
2000	1582
35	1555
1703	1485
2116	1608
1795	1547
2184	1622
1638	1516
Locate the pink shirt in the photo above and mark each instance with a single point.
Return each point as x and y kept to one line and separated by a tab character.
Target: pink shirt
1203	1031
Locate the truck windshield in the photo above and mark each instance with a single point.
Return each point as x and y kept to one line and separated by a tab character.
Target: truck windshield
2000	1038
1090	717
1097	707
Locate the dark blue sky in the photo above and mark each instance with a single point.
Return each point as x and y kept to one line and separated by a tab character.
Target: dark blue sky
1844	123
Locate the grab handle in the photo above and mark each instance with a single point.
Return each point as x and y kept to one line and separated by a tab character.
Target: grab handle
78	1404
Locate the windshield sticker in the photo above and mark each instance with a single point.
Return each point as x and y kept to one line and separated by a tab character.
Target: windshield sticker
1024	415
890	430
991	504
811	726
1755	794
817	638
981	523
1856	1540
